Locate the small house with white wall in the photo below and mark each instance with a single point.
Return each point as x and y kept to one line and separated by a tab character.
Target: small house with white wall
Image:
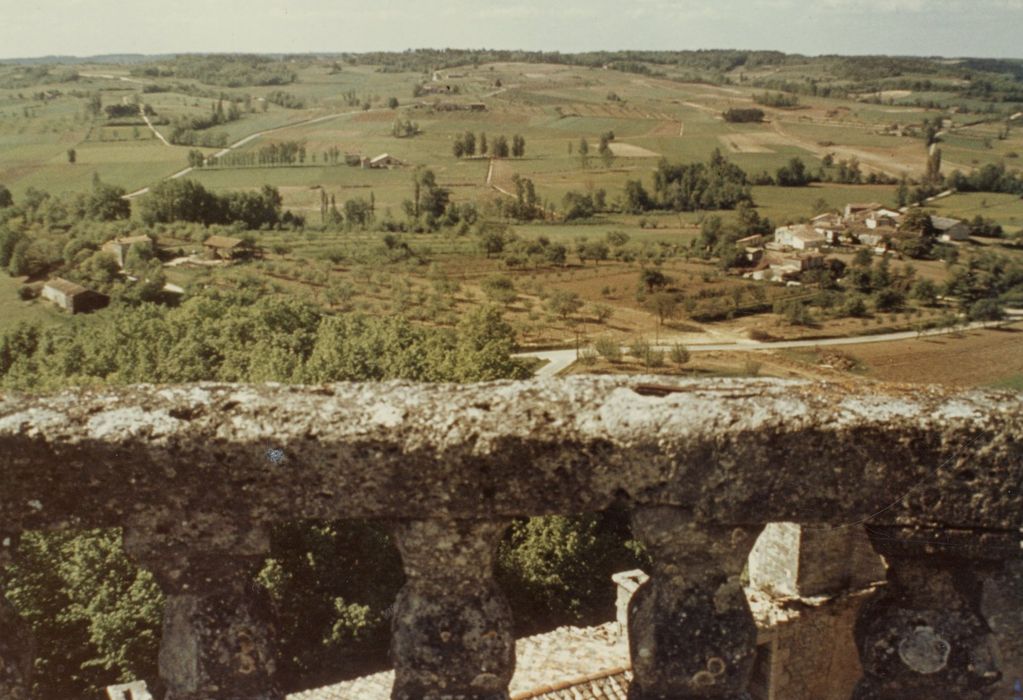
799	237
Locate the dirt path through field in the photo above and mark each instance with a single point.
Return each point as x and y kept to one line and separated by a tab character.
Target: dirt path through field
142	111
245	140
870	161
558	360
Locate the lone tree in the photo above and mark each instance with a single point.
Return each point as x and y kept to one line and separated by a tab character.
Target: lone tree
664	305
584	153
564	303
72	155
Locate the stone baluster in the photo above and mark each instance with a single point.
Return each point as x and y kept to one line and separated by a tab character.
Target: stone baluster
452	627
691	632
924	635
218	636
17	652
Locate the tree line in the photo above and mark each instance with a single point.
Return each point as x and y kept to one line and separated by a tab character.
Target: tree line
467	145
181	199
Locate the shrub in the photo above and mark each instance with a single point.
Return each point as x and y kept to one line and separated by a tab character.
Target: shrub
608	348
639	348
679	354
27	292
985	310
588	356
854	306
751	367
602	312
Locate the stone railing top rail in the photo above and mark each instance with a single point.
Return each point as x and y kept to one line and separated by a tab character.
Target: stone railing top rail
727	451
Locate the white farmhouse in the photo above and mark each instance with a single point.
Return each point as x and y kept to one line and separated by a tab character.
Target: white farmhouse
799	237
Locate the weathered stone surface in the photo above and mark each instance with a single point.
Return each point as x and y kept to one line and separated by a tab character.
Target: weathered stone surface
702	461
452	628
219	640
791	560
726	450
924	635
1002	607
691	632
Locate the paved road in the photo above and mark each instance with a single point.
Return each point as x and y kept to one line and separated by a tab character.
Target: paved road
559	360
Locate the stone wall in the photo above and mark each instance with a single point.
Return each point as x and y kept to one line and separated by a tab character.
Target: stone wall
195	474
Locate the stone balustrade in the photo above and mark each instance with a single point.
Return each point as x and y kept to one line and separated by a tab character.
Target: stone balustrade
195	474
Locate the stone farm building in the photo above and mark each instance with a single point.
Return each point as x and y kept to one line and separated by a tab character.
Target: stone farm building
119	247
224	247
384	160
949	229
73	297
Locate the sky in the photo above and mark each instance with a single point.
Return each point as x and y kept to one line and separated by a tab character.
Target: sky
953	28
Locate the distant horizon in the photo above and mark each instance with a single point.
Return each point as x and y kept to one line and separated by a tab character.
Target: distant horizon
922	28
332	53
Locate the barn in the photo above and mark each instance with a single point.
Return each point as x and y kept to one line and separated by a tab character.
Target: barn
73	297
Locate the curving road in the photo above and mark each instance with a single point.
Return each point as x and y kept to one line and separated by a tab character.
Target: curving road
242	142
560	360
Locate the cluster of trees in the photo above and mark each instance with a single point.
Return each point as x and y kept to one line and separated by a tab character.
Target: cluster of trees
404	128
739	115
186	129
429	202
498	240
186	200
779	100
526	206
716	184
467	145
356	213
583	205
226	70
285	99
991	177
282	153
717	238
34	244
125	111
464	145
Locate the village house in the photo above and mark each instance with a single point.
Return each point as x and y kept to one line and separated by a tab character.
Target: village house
882	217
830	226
859	211
799	237
949	229
225	248
119	247
783	266
384	160
73	297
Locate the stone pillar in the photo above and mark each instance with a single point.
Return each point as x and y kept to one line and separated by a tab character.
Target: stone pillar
218	637
801	561
17	652
691	632
452	627
924	635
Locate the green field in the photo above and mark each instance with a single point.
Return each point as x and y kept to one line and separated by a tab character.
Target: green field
13	310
